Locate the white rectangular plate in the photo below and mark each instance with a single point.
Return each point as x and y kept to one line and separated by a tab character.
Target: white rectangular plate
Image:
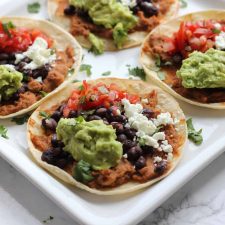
90	209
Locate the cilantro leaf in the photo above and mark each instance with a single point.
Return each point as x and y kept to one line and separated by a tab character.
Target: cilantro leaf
21	120
71	71
3	132
34	7
43	93
183	3
193	135
138	72
107	73
87	68
82	172
44	114
157	60
7	27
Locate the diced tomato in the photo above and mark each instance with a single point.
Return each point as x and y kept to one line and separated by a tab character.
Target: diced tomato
95	96
180	37
14	39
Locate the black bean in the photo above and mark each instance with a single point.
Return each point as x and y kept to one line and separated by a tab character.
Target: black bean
73	114
148	113
70	158
15	97
56	151
3	62
54	140
56	115
130	133
12	56
160	166
101	112
119	118
121	138
105	121
61	163
23	89
134	153
4	56
148	150
48	157
140	163
61	108
127	144
49	124
177	58
118	127
70	10
93	117
149	9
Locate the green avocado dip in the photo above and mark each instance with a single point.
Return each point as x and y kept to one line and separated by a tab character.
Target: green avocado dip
92	142
111	14
10	82
203	70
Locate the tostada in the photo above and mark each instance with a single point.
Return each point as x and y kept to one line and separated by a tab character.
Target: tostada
37	59
108	136
111	25
186	57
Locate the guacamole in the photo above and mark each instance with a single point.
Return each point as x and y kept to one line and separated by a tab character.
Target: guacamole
203	70
93	142
109	13
10	81
97	44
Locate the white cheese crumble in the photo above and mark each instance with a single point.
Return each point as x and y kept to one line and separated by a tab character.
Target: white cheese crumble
170	157
157	159
163	119
39	53
144	100
217	26
125	156
147	129
129	3
220	41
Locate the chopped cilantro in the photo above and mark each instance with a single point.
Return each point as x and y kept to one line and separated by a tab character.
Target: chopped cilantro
71	71
81	87
21	120
82	100
75	81
7	27
48	219
86	68
43	93
82	172
107	73
157	60
138	72
44	114
34	7
193	135
216	31
3	132
183	3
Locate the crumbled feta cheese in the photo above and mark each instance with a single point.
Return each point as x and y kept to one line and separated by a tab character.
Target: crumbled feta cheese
39	79
131	109
167	148
170	157
163	119
157	159
150	141
130	3
159	136
217	26
220	41
10	68
125	156
144	100
118	112
39	53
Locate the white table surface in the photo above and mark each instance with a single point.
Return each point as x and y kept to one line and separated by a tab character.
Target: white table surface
200	202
